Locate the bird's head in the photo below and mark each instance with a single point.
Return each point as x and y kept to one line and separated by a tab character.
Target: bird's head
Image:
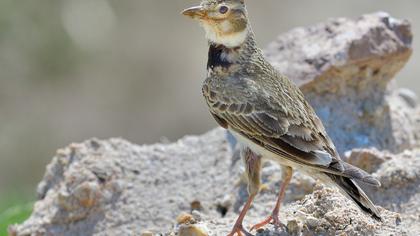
225	21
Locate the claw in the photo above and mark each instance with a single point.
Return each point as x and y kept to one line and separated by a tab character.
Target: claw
270	220
238	230
261	224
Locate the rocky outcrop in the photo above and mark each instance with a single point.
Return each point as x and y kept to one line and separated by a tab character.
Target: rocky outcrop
194	186
325	212
114	187
345	68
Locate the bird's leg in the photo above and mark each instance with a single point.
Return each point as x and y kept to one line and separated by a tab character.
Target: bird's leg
238	228
253	173
274	217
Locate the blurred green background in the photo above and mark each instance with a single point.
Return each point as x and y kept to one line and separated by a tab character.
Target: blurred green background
75	69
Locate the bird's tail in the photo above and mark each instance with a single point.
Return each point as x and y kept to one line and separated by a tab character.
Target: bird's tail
354	192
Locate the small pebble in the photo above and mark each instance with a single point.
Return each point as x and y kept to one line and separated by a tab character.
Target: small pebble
185	218
196	205
146	233
192	230
409	97
312	222
197	215
293	227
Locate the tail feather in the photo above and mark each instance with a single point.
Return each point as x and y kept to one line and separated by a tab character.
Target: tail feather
354	192
344	169
359	174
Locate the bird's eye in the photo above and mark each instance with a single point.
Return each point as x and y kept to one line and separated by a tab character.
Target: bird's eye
223	9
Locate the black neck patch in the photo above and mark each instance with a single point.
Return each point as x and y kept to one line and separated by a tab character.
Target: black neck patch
215	57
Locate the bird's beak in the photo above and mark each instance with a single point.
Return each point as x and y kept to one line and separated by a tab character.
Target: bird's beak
195	12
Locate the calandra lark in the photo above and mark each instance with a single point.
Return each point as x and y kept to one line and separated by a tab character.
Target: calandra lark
266	112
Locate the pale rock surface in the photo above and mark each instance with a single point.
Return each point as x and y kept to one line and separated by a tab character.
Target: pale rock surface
400	178
369	160
325	212
114	187
345	68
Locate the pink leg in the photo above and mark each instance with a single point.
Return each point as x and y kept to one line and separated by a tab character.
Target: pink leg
253	170
274	218
238	228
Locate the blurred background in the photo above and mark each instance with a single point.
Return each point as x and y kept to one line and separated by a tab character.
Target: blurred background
75	69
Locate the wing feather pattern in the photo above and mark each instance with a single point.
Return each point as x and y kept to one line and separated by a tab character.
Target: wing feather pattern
298	136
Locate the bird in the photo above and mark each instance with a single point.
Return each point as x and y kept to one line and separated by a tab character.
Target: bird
267	113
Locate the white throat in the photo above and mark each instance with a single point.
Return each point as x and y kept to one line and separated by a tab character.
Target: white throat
230	40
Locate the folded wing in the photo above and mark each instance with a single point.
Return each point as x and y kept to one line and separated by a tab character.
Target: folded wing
299	137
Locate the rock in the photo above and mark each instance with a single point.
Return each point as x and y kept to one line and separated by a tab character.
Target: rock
325	212
345	68
310	55
367	159
118	187
187	225
400	179
192	230
409	97
114	187
146	233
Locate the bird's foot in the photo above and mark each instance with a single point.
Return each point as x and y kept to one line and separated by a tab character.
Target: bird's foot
239	230
273	219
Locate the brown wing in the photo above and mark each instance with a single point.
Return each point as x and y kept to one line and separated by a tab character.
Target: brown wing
247	109
237	106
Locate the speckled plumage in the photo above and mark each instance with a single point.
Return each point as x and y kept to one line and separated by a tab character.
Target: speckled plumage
250	97
267	112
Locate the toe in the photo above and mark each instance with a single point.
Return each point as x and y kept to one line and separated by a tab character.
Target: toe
262	224
239	231
277	223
